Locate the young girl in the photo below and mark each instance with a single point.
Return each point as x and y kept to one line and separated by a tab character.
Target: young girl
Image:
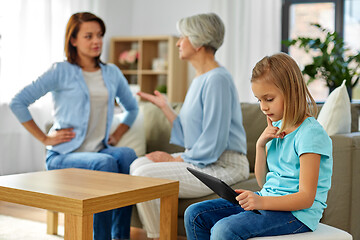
293	165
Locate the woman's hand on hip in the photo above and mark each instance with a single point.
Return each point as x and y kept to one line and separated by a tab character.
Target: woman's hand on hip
116	136
112	141
59	136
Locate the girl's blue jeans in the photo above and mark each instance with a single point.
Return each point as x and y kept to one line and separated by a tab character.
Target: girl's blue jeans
112	224
220	219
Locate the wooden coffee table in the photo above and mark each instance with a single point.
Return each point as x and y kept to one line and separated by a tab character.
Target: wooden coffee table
80	193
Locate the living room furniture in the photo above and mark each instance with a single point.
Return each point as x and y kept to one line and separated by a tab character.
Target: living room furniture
343	208
80	193
148	72
323	232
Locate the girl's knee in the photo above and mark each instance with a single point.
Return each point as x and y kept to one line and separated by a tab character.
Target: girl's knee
190	213
224	229
190	218
219	230
193	214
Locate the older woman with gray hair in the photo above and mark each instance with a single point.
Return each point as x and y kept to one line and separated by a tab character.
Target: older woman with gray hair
209	125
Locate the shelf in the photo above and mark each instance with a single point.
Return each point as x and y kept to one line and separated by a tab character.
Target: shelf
145	72
154	72
155	52
130	72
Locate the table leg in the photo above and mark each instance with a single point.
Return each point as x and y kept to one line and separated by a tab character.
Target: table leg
78	227
52	222
168	217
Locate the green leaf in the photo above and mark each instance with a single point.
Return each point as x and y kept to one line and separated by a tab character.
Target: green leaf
332	58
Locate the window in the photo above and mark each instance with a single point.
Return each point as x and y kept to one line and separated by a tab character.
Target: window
352	32
1	28
352	24
342	16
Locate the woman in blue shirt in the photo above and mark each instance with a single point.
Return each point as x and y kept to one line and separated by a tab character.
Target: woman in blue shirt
83	91
293	165
209	125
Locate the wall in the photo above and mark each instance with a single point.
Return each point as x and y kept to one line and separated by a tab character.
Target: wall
117	15
144	17
159	17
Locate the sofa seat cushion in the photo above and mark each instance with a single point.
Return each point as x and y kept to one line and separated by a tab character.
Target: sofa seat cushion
324	232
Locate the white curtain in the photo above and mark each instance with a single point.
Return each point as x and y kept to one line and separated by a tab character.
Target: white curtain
33	38
33	34
253	30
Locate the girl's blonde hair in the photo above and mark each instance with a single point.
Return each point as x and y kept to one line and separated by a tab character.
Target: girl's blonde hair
282	70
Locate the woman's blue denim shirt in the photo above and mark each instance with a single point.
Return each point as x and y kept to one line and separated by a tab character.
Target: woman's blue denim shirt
71	100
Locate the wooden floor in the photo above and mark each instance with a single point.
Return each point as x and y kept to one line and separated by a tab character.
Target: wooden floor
39	215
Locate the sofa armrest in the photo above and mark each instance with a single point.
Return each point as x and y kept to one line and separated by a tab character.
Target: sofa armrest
355	189
345	179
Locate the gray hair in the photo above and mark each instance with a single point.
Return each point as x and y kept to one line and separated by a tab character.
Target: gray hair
203	30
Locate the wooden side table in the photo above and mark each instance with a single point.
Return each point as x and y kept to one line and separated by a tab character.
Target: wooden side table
80	193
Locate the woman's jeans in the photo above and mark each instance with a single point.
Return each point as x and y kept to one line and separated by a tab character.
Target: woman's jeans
112	224
220	219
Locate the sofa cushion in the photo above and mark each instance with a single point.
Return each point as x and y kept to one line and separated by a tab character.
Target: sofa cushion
135	137
158	128
254	121
355	117
335	115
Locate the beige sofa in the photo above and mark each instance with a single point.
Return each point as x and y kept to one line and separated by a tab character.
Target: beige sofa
343	209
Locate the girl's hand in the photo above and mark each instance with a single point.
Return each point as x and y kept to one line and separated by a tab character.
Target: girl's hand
269	133
158	99
59	136
248	200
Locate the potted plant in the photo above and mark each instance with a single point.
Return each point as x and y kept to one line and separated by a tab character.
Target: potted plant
332	60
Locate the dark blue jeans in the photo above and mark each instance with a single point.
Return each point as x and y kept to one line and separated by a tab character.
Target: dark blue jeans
112	224
220	219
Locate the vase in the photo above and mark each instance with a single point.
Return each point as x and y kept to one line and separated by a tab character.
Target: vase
128	66
133	66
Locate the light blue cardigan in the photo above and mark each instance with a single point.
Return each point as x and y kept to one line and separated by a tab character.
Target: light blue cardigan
72	101
210	120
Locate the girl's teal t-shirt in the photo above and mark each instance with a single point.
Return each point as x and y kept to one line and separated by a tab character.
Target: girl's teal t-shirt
284	167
